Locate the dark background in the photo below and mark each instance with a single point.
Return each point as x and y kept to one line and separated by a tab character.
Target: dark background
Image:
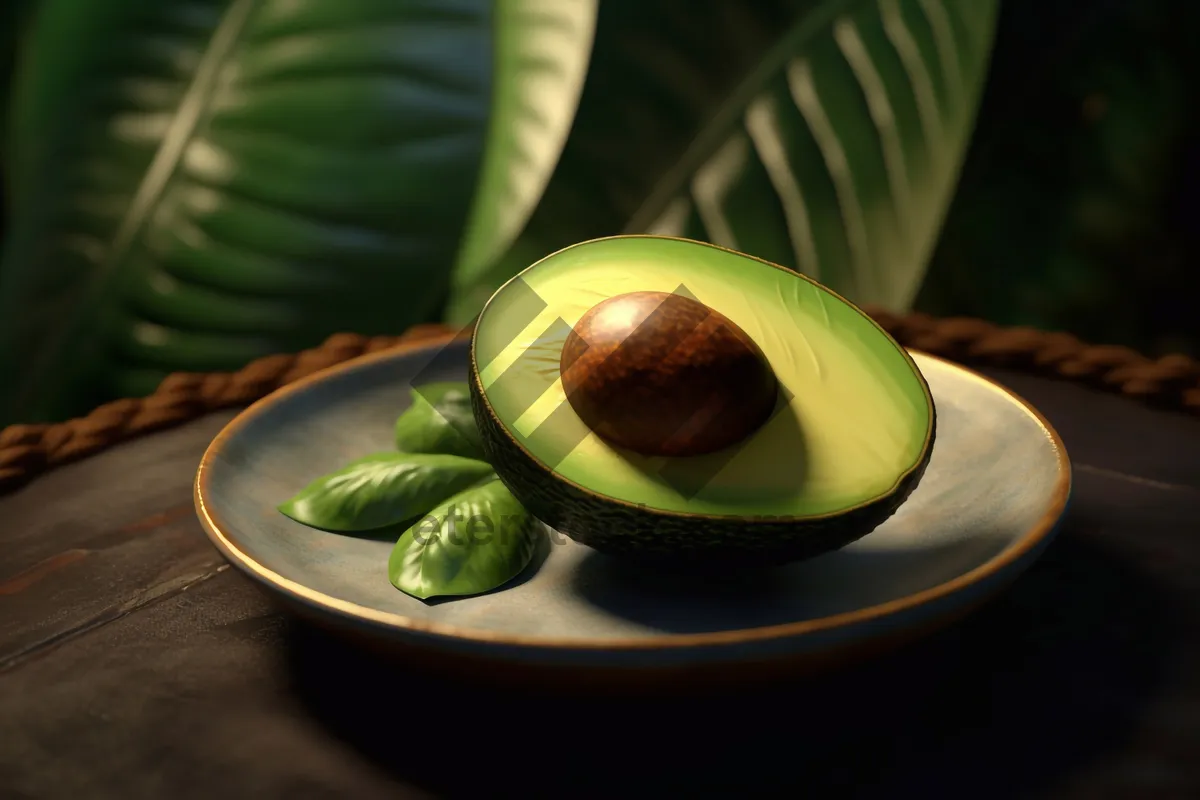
1078	204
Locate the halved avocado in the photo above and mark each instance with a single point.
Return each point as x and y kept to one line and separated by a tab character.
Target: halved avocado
579	355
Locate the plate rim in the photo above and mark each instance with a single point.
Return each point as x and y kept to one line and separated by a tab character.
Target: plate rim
997	566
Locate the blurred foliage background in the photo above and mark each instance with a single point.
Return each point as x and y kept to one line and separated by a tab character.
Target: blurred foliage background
390	202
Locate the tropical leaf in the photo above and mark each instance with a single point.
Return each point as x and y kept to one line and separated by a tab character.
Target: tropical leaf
200	182
542	49
825	136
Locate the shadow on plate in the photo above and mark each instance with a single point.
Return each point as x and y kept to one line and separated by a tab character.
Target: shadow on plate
1050	676
854	577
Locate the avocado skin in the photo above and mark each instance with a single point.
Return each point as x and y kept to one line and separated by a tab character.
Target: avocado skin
665	539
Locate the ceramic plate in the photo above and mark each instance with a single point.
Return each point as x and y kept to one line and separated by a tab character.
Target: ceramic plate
992	496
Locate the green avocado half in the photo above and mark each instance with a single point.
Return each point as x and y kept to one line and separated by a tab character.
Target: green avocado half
849	437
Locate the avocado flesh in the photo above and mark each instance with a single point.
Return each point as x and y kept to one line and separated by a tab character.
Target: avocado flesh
849	440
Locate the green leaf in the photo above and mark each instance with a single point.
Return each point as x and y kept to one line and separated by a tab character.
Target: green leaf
541	50
439	421
383	489
199	184
826	136
476	542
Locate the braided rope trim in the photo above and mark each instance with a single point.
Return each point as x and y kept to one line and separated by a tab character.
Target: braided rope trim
27	451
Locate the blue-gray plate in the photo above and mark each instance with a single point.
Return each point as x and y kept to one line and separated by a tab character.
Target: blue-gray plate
995	489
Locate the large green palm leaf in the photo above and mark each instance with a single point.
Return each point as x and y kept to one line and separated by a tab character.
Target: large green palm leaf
824	135
200	182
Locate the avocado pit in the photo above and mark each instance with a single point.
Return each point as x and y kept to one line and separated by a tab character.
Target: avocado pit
661	374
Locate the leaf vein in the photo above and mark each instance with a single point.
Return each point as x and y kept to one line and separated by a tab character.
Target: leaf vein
761	125
918	77
882	115
710	186
943	38
804	94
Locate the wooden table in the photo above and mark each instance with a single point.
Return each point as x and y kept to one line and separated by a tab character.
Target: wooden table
135	664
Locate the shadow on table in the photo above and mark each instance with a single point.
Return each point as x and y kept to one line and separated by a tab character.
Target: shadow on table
1049	677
